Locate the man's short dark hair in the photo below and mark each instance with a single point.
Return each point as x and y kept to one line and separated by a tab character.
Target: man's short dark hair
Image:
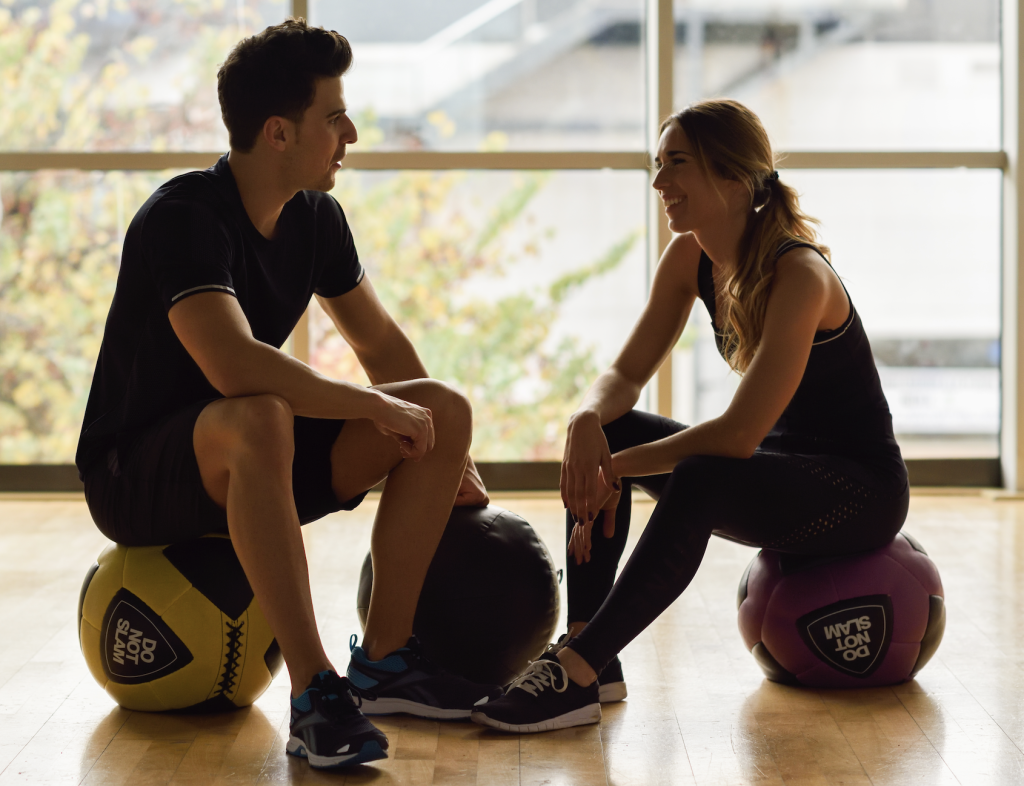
274	73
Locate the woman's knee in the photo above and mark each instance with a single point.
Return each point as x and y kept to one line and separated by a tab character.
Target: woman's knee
637	428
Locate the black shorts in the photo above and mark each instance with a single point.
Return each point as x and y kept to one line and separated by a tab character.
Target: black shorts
157	497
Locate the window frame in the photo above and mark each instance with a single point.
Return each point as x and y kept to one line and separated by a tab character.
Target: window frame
1006	471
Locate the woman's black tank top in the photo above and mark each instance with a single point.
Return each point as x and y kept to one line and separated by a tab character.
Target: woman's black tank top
839	407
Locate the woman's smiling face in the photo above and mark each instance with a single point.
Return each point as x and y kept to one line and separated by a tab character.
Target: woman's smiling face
692	198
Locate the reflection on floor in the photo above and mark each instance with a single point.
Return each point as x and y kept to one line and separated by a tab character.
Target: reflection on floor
698	710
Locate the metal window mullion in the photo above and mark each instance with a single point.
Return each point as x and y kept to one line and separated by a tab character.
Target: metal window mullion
546	160
661	33
299	341
1011	361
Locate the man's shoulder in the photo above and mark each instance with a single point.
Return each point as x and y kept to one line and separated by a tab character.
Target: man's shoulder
194	194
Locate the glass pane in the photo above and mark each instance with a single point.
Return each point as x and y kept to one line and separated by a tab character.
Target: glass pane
494	74
516	287
128	76
60	246
919	253
865	75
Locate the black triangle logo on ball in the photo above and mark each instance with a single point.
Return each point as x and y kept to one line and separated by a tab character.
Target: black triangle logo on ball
136	645
852	635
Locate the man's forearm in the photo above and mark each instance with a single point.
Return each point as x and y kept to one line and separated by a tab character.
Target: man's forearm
262	369
395	360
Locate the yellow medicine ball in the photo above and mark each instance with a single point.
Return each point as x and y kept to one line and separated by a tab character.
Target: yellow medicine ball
176	628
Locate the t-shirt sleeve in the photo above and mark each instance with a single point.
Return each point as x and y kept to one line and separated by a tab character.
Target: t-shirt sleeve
342	272
187	249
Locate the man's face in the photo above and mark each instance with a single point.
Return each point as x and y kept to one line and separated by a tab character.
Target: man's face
321	136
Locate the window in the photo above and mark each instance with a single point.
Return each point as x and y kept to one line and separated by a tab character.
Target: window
503	148
919	249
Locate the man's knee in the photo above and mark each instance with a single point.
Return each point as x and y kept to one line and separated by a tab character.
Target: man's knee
456	420
255	426
450	410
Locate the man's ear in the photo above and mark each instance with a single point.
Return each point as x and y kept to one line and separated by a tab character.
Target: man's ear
278	131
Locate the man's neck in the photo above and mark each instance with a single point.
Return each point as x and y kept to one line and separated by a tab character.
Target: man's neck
264	193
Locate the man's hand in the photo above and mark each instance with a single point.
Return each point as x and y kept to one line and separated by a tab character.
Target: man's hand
410	425
472	492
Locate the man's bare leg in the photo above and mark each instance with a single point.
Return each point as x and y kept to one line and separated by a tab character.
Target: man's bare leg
414	507
245	447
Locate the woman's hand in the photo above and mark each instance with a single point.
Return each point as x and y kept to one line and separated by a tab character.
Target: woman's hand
579	541
410	425
586	457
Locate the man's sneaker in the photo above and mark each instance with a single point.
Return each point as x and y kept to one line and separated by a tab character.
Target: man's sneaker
405	681
612	685
542	698
329	730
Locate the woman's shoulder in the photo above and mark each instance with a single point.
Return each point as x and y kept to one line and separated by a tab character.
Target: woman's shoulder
799	261
803	276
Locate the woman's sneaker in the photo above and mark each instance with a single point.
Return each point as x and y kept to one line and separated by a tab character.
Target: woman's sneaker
542	698
406	681
611	683
328	729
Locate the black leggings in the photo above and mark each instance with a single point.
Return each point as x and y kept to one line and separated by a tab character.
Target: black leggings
822	505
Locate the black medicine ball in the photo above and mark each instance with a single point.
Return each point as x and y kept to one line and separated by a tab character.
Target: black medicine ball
490	600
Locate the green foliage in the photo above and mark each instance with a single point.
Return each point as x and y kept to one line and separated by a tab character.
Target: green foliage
424	237
422	244
61	232
59	248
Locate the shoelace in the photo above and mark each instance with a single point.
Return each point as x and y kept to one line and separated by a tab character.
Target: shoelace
556	646
539	675
341	697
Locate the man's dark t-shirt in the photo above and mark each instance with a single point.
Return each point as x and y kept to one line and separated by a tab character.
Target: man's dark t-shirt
193	235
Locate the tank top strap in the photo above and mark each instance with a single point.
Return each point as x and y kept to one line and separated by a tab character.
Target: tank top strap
706	288
706	283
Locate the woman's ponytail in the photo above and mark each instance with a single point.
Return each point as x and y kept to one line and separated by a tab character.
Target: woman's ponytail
728	139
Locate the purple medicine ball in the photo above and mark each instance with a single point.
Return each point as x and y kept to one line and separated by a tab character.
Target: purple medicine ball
843	622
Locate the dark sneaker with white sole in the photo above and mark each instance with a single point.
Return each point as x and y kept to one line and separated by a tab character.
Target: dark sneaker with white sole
406	681
611	683
328	729
542	698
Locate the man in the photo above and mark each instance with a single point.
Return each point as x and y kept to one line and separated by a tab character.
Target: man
198	423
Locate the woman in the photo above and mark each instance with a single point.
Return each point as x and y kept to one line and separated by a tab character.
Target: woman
803	460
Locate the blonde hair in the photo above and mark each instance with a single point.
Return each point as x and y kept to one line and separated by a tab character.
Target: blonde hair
728	139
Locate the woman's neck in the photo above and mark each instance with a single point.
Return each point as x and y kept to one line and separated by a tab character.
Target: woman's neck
721	241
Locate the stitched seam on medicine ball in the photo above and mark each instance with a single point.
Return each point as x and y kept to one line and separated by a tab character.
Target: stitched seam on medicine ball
235	634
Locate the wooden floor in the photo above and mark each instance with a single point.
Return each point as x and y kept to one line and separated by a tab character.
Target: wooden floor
699	711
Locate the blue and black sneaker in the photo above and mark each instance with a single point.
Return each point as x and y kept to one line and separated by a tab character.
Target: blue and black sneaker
406	681
328	729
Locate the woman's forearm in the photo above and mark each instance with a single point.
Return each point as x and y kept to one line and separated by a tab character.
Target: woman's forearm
713	438
610	397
